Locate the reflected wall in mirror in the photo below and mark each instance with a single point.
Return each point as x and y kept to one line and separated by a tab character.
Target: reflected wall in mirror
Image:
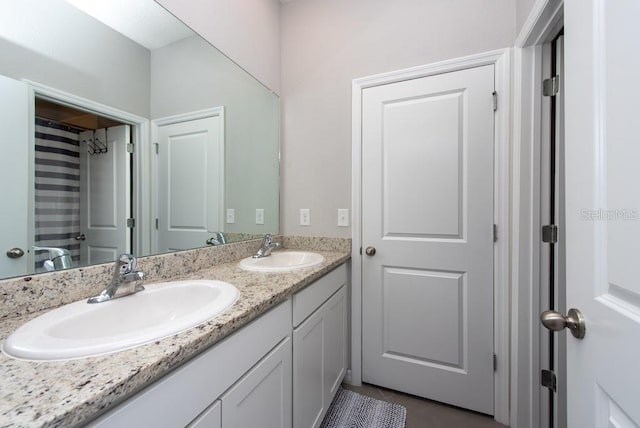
126	133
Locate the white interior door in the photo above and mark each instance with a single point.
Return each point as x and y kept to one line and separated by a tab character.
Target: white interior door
602	102
427	203
14	175
190	183
105	195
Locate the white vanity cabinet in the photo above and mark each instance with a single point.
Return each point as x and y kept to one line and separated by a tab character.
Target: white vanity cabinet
319	346
268	374
242	374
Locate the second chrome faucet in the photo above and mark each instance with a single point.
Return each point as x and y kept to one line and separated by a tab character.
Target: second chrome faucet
266	247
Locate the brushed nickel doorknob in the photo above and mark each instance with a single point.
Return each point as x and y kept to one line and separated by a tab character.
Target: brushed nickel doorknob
15	253
370	251
81	237
574	321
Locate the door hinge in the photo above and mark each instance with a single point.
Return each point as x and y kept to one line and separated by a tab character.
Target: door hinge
551	86
495	100
131	148
550	233
157	222
495	362
495	233
157	147
131	223
548	380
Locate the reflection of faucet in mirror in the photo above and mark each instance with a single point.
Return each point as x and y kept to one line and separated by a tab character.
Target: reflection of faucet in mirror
265	247
59	258
218	239
124	282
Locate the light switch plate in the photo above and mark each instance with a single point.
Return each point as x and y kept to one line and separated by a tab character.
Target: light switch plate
231	215
305	217
343	217
259	215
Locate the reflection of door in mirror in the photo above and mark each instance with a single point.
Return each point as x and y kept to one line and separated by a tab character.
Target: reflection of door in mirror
14	177
82	174
190	185
105	196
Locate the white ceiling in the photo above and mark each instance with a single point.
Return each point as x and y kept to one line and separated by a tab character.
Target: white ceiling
143	21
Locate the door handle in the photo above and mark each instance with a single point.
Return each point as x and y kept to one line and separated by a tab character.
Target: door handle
370	251
574	321
15	253
81	237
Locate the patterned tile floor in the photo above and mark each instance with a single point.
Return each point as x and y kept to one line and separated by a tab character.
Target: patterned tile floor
423	413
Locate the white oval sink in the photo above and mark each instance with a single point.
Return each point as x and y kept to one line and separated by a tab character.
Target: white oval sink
81	329
282	261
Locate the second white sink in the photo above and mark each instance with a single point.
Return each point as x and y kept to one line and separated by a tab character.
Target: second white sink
81	329
282	261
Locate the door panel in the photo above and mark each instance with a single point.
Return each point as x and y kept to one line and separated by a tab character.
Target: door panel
104	195
14	178
427	198
438	347
412	131
190	194
603	221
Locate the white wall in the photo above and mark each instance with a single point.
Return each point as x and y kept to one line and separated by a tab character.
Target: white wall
49	42
325	44
190	75
523	8
247	31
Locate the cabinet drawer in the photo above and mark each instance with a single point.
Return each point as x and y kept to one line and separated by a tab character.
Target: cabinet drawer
312	297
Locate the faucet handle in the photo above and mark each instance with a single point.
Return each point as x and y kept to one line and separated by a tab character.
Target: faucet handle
126	263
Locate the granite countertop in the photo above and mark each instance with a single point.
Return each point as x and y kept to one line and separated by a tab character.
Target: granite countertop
69	393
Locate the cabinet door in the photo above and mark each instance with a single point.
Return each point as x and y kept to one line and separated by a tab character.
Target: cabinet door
319	360
308	370
335	340
262	398
210	418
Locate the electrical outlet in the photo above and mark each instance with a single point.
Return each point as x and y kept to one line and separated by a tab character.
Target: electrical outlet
305	217
259	216
343	217
231	215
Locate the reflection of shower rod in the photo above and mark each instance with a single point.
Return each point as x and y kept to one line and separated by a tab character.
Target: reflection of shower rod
95	146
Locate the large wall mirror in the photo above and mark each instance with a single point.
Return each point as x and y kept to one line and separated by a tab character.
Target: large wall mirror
124	131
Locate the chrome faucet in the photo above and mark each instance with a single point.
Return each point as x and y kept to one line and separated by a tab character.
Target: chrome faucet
266	247
124	282
218	239
59	258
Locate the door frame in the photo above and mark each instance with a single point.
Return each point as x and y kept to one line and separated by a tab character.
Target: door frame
141	204
543	22
179	118
501	60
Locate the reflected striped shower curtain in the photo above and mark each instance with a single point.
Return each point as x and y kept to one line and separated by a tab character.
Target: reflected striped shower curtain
57	189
